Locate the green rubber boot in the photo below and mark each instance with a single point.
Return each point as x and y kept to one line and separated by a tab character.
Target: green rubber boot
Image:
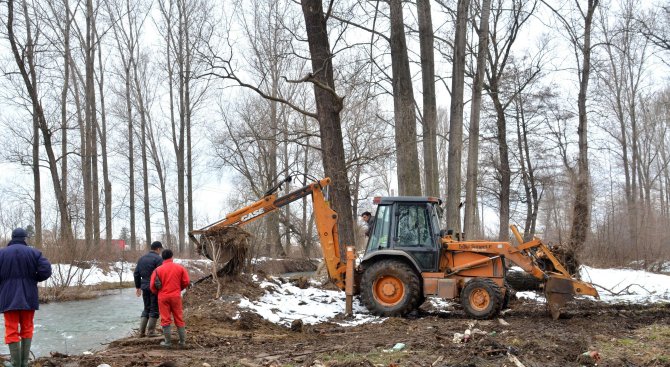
25	351
182	336
143	326
151	327
167	343
15	354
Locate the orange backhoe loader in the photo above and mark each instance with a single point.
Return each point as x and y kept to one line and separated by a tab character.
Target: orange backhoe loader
408	257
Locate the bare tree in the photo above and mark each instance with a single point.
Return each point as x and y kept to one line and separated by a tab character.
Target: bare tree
507	22
470	217
409	178
429	120
456	119
328	106
580	39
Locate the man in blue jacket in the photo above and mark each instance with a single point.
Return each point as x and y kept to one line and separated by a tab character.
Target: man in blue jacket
145	266
21	267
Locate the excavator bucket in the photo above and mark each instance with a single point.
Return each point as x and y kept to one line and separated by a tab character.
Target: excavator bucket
560	289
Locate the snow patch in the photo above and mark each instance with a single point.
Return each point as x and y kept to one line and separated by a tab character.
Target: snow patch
284	302
619	286
628	285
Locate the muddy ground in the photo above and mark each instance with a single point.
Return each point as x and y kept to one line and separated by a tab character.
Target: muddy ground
624	335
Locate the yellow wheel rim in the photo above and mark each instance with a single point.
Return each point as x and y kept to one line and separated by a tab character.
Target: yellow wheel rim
479	299
388	290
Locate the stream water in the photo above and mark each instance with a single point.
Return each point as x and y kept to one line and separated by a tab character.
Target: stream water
77	326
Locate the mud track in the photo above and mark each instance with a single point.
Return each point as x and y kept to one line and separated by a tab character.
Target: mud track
220	335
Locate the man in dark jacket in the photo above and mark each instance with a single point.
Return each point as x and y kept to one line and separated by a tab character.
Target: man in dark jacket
173	278
21	267
145	266
369	220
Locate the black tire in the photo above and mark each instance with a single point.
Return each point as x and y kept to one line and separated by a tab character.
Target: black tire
390	288
481	298
522	281
509	293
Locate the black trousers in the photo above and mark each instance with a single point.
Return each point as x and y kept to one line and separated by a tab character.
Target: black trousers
150	304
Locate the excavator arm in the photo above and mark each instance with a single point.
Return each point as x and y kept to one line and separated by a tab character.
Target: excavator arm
325	218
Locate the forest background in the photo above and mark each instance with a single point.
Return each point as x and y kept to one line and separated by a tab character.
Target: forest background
142	120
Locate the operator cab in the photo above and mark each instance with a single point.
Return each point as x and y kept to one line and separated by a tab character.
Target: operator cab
407	224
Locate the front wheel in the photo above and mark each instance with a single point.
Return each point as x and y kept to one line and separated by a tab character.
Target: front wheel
481	298
390	288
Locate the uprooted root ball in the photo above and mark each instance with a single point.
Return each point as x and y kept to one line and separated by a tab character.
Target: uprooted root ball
228	246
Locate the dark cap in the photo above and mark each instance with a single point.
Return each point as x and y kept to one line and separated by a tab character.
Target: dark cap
156	244
19	233
366	213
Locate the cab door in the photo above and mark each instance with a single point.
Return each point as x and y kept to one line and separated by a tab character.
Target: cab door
413	232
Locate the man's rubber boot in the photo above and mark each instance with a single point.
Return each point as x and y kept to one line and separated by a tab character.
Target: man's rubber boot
25	351
151	327
15	354
167	343
182	336
143	326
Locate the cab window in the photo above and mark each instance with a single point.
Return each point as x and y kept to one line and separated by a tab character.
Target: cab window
413	228
379	238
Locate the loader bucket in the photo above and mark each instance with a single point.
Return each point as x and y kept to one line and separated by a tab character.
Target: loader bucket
559	290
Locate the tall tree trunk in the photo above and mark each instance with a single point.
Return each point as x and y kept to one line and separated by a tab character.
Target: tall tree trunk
107	184
181	212
456	119
143	141
409	177
272	222
171	81
156	156
189	152
426	43
93	142
504	171
470	216
581	219
64	94
87	144
329	105
131	160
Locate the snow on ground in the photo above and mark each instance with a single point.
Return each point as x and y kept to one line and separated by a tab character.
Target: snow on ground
621	285
284	302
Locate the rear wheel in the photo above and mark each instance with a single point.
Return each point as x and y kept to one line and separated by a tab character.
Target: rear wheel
509	293
390	288
481	298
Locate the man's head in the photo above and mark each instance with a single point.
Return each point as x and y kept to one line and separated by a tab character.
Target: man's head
156	246
19	234
366	216
166	254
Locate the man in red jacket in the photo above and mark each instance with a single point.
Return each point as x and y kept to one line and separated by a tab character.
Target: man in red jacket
168	280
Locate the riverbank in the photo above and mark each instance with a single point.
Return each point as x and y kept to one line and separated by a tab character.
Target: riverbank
91	279
79	293
262	321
